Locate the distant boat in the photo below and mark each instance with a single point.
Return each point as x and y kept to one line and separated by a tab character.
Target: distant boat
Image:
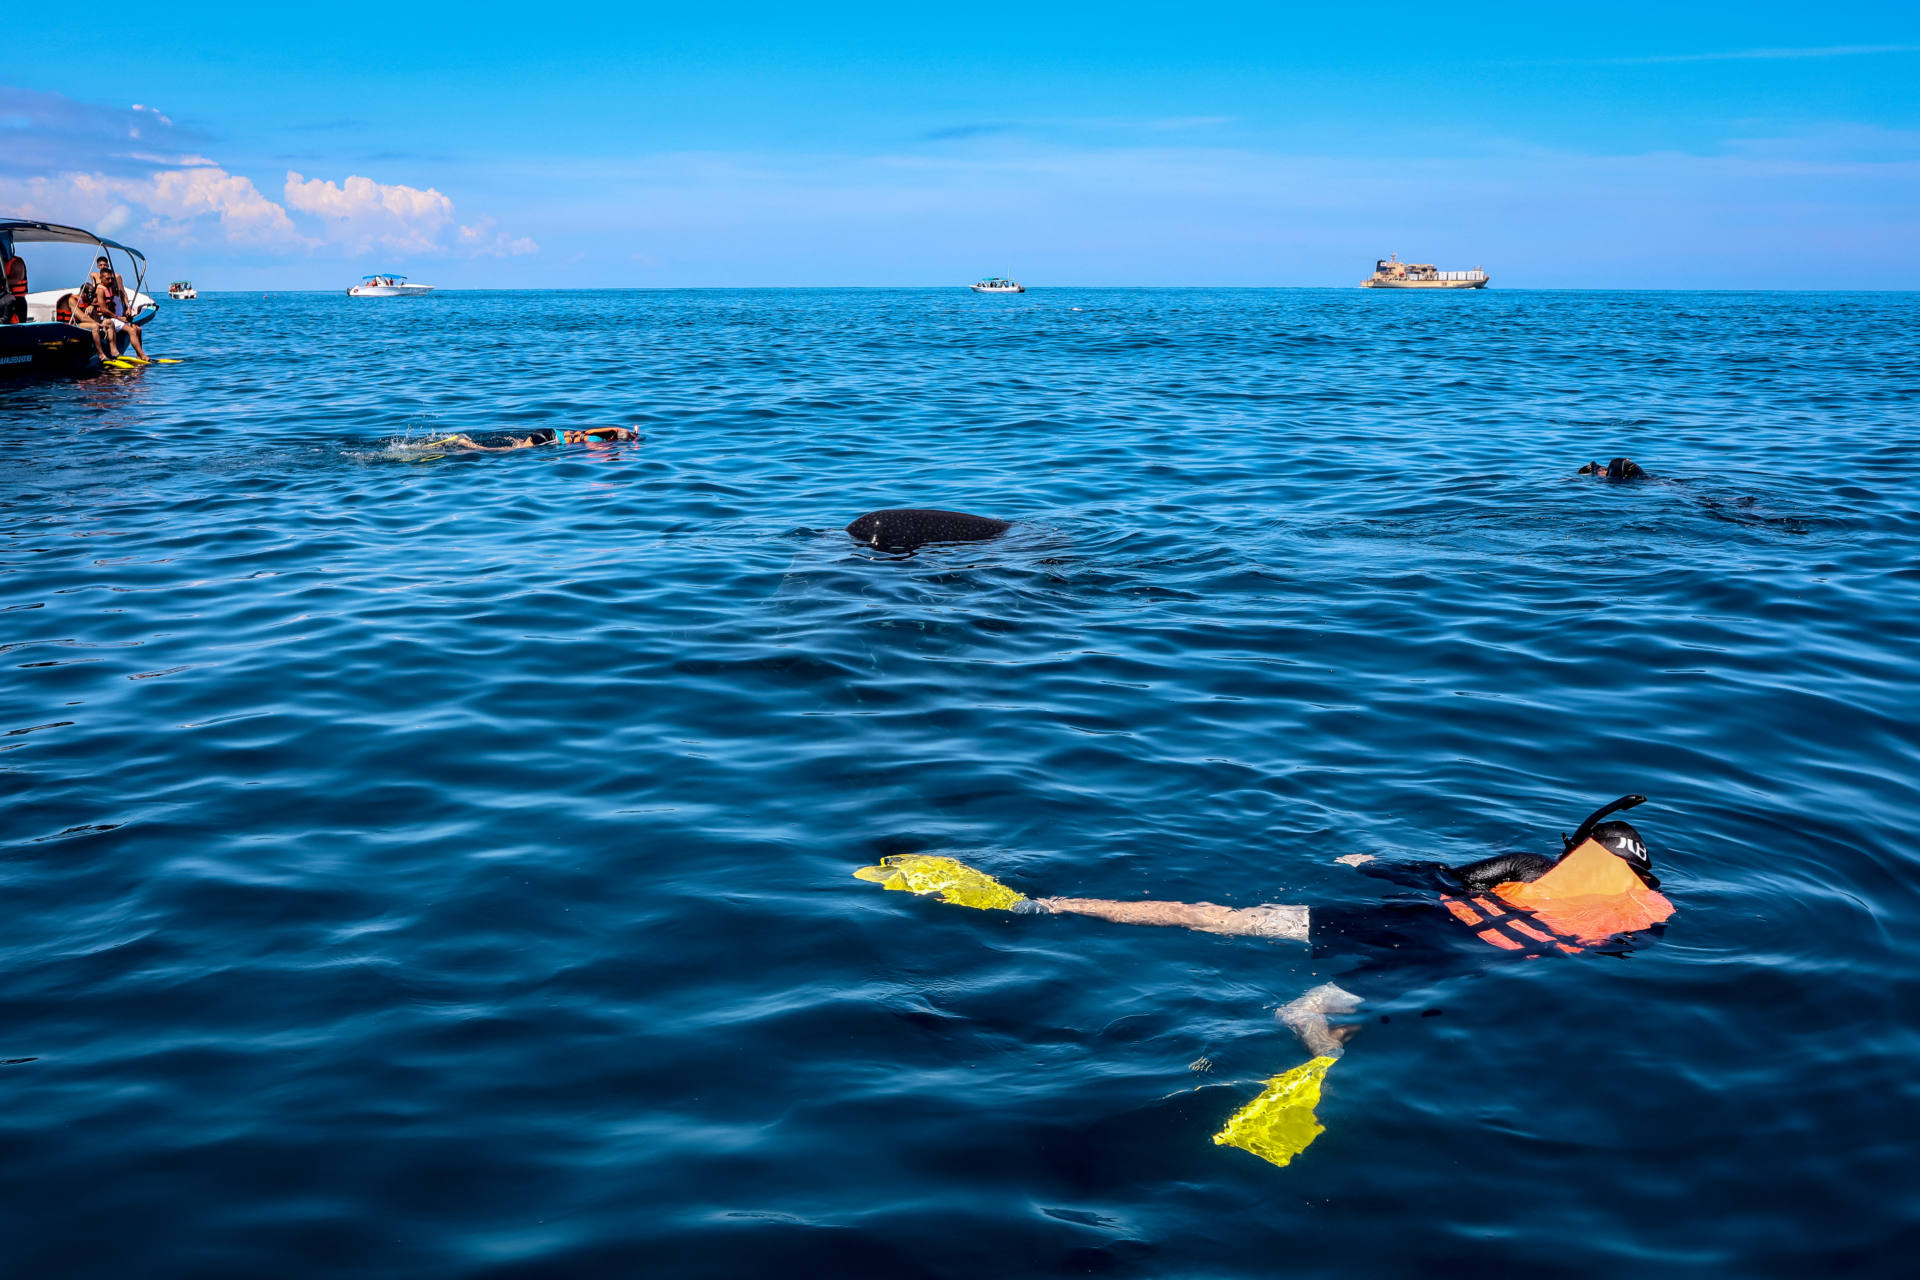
999	284
1391	273
182	289
387	286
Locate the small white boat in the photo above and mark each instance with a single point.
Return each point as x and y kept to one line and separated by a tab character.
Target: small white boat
387	286
182	289
999	284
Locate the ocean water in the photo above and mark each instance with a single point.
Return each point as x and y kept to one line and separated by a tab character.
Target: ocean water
442	866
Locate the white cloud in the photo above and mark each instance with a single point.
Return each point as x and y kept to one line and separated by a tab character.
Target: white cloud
246	216
484	239
361	213
179	204
115	168
1749	55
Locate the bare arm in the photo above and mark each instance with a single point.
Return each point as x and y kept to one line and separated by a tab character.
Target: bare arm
1267	921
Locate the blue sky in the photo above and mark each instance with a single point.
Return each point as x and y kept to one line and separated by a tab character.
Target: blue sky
1627	145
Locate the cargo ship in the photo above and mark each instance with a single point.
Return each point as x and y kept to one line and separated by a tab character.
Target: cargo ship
1391	273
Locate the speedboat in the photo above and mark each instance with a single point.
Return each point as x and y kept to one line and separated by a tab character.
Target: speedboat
48	342
182	289
998	284
387	286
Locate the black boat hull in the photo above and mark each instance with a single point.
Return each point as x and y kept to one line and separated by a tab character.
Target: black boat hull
50	350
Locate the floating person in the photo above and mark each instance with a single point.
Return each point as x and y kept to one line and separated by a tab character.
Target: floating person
544	435
907	528
1601	889
1618	469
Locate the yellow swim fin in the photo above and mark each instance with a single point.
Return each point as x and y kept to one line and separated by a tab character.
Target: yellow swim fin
1279	1124
950	881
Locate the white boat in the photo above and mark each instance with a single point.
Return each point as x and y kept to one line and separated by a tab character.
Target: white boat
998	284
182	289
387	286
47	342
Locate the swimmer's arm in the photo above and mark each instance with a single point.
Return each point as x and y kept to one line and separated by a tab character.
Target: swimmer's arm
469	443
1267	921
1500	869
1407	875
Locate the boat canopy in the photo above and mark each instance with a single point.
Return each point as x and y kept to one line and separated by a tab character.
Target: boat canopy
384	275
21	232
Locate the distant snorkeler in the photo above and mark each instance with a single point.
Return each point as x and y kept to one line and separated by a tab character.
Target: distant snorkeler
1618	469
545	435
1598	893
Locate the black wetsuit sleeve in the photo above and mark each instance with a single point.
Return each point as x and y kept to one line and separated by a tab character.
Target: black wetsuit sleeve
1433	877
1489	872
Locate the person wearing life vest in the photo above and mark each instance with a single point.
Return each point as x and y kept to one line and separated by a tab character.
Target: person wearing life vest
13	303
82	309
1599	894
112	308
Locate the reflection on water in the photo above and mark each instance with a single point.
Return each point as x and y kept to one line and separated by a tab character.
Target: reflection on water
444	865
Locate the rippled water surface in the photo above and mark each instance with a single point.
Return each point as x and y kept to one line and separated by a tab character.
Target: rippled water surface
423	865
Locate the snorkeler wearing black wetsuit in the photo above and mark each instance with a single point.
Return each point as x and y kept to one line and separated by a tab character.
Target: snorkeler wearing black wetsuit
1618	469
1407	939
544	435
1598	892
1600	888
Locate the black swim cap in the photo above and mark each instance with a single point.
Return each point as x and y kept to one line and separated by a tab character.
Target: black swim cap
1623	842
1624	469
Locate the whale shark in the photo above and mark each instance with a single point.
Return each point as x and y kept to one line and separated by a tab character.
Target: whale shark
903	529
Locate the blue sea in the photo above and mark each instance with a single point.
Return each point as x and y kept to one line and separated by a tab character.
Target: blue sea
418	864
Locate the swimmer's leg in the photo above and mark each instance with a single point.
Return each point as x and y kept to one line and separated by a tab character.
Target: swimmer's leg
1266	921
1306	1017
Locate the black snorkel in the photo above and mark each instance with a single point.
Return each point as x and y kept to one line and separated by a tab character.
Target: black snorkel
1585	829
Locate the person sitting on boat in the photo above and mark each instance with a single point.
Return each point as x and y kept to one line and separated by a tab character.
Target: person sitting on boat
111	302
1618	469
13	302
545	435
81	309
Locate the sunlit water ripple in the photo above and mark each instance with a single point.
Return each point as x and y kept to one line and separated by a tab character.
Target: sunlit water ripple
424	866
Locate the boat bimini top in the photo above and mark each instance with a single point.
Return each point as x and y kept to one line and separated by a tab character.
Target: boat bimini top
22	231
19	231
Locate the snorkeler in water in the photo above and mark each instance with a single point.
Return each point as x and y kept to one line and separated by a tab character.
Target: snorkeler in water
545	435
1618	469
1597	893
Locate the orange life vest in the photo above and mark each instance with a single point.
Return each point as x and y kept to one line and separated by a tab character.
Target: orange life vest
1587	898
63	309
17	276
